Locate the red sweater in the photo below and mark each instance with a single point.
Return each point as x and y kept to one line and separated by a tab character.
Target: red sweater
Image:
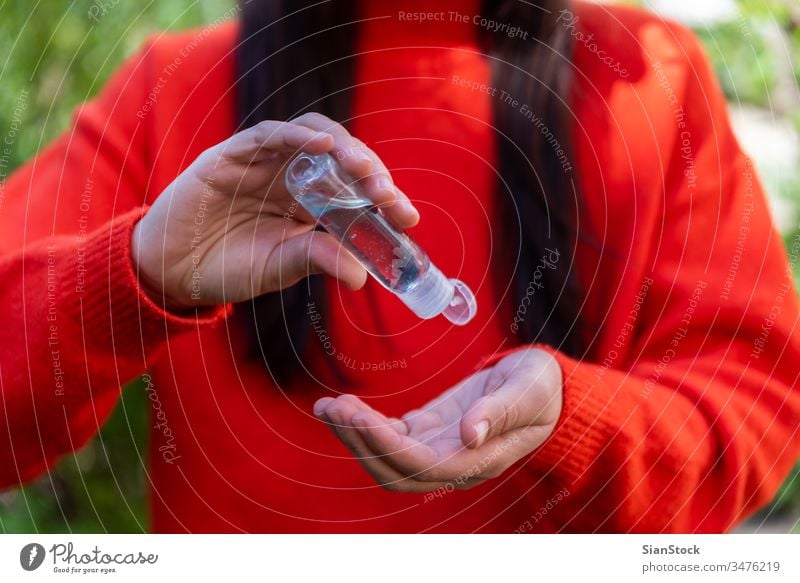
682	416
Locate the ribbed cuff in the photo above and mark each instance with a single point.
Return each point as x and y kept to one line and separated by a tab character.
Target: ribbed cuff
588	422
108	298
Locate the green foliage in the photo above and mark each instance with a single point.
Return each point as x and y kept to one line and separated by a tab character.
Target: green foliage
788	498
756	51
746	70
55	56
62	55
99	489
753	56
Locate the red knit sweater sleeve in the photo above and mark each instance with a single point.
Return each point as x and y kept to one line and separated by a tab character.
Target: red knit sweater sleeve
689	422
76	324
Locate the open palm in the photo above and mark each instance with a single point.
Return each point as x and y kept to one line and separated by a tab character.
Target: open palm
471	432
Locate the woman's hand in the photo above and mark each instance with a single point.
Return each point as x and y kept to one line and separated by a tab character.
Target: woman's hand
472	432
226	230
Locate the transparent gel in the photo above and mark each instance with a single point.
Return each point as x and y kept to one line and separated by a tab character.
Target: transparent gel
321	187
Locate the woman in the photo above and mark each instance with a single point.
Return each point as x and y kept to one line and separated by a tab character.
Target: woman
633	363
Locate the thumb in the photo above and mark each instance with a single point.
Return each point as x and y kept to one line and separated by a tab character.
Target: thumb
525	394
309	253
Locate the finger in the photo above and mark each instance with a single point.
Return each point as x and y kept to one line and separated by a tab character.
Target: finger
403	214
309	253
462	468
337	413
398	425
516	398
396	206
354	158
255	143
321	404
346	149
353	404
398	209
381	472
363	164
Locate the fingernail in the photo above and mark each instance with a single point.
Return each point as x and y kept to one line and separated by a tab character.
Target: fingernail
385	184
319	408
481	429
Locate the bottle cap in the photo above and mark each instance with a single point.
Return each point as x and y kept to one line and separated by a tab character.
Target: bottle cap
463	306
435	294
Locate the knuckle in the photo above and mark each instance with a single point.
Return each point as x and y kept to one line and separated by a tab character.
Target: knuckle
410	415
211	155
263	129
286	141
512	416
263	126
348	399
257	139
509	415
310	260
258	136
314	117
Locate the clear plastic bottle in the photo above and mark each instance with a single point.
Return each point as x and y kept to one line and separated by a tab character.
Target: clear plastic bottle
321	187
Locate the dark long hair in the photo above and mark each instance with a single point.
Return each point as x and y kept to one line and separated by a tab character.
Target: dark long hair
299	56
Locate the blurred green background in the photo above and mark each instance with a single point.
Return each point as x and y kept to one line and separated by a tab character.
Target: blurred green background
61	56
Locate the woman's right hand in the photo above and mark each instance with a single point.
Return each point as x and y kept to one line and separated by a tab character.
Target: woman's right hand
226	230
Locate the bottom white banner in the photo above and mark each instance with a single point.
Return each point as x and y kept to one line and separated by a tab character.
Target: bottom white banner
355	558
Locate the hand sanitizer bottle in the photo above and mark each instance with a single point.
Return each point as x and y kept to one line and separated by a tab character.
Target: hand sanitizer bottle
332	197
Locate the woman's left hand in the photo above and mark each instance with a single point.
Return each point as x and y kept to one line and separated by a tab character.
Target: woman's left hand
470	433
